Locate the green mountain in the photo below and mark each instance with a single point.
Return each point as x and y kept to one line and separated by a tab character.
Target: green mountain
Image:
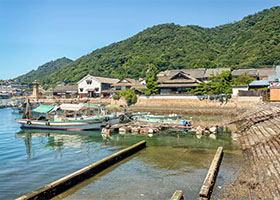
252	42
45	71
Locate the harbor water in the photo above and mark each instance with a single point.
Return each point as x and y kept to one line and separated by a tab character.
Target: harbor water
32	159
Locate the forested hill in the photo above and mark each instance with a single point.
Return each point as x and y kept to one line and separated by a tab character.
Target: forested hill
251	42
45	71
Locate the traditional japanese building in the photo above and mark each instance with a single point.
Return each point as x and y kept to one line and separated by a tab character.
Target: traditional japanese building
177	82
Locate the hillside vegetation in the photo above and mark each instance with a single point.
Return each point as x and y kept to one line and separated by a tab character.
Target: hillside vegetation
45	71
251	42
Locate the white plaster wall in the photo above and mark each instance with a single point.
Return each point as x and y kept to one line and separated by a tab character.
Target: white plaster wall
94	84
235	90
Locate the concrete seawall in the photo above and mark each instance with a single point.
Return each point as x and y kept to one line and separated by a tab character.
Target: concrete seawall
51	190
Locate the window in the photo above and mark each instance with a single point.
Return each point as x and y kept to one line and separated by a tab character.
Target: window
118	87
81	89
89	82
127	87
96	89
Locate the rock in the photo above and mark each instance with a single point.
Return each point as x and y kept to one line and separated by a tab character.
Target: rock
199	130
122	131
198	136
213	129
213	136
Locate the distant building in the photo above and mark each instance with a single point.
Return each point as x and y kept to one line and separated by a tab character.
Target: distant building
274	86
251	72
176	82
94	86
66	91
201	74
195	73
259	85
264	73
127	83
214	72
237	88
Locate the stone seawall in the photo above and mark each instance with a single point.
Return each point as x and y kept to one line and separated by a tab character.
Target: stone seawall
184	102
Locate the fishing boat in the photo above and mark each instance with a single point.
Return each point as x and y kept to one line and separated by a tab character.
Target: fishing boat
66	117
172	120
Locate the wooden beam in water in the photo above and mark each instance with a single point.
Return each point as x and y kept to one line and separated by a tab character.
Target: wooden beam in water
51	190
178	195
209	182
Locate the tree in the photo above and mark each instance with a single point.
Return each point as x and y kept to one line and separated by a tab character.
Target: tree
130	95
224	81
151	80
244	79
220	84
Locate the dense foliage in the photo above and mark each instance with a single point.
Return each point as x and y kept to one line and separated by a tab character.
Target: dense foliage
252	42
151	81
130	96
42	73
221	84
244	79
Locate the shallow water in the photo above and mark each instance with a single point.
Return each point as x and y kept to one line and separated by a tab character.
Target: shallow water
30	160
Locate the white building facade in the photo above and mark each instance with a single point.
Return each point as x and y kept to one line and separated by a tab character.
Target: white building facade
93	86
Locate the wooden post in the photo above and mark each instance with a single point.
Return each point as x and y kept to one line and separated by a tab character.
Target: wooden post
51	190
178	195
209	182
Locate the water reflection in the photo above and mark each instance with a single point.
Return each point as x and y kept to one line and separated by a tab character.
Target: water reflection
56	141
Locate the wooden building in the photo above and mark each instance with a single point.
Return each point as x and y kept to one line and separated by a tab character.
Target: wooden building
65	91
176	83
127	83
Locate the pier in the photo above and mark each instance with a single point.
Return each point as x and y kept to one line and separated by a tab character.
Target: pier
51	190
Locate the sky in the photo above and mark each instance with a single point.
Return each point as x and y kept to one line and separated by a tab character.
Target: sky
33	32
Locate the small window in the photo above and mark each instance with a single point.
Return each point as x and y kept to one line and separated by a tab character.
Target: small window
81	89
89	82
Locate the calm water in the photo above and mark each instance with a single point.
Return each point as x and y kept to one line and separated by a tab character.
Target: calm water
30	160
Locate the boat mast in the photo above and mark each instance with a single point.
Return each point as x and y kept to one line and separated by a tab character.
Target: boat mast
27	112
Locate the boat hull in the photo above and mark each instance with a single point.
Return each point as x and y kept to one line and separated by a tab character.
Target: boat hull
65	126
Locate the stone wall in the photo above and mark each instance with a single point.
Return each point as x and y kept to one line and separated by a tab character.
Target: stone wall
183	101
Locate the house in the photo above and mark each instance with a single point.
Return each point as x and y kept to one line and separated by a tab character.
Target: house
250	72
66	91
274	86
237	88
127	83
176	82
259	85
264	73
196	73
94	86
214	72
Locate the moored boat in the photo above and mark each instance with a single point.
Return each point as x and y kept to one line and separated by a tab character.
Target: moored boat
57	118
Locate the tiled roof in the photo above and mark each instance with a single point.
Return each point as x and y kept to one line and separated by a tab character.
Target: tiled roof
101	79
239	72
266	71
66	88
130	82
215	71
